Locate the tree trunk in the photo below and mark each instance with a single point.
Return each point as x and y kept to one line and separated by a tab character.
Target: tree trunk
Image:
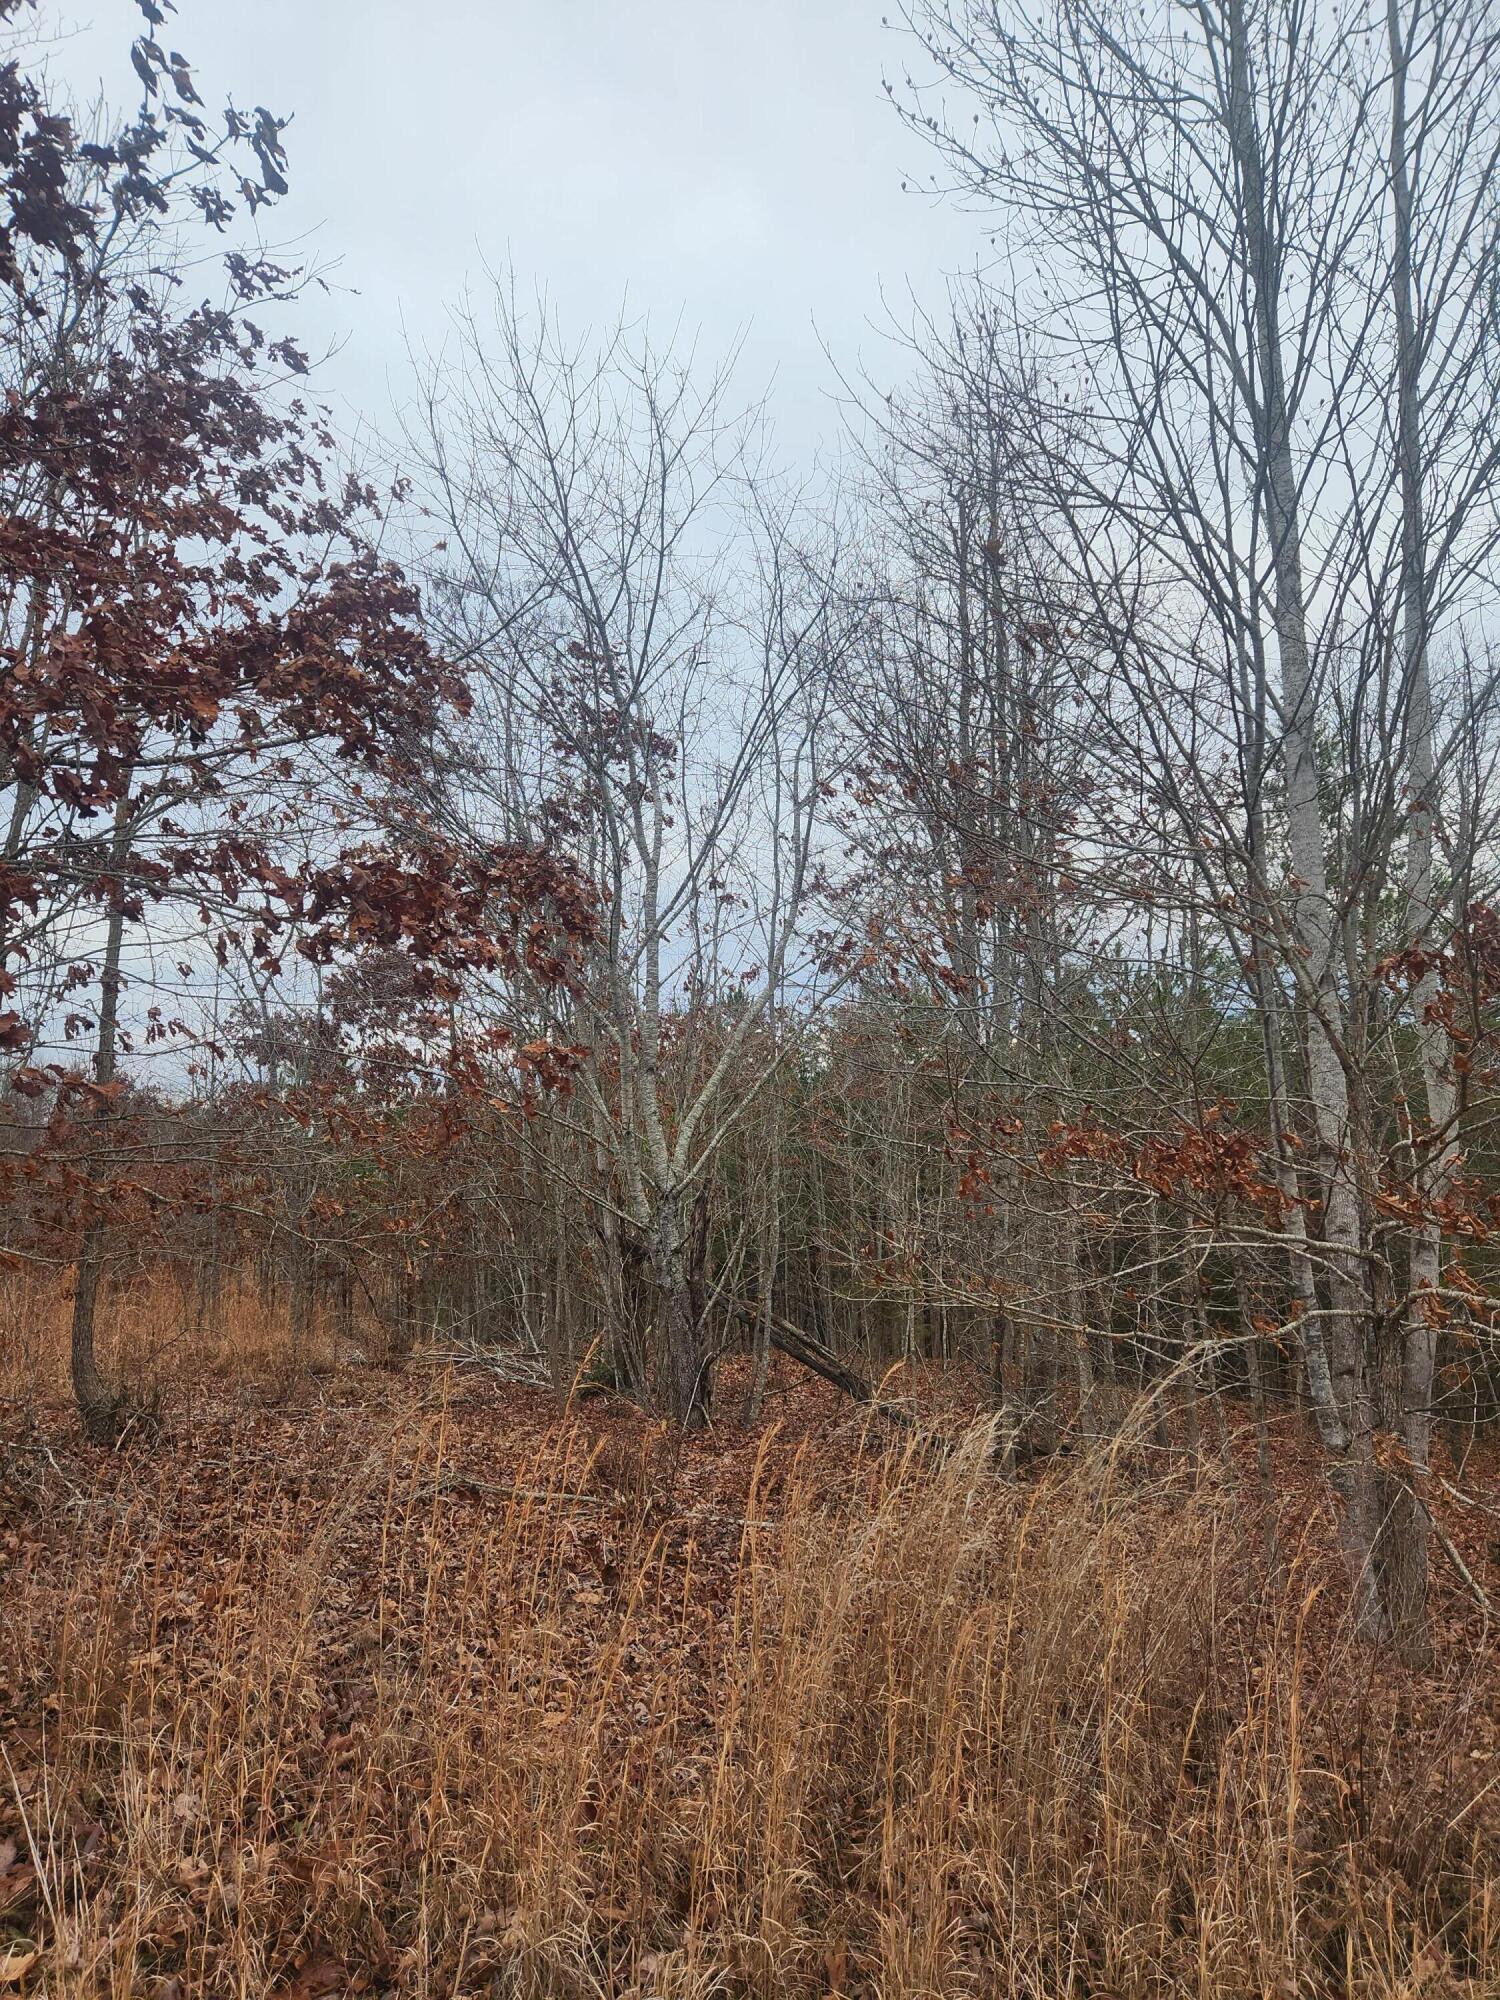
99	1406
1404	1522
770	1257
1314	917
682	1387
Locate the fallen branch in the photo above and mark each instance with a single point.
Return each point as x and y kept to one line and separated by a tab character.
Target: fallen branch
1476	1589
813	1355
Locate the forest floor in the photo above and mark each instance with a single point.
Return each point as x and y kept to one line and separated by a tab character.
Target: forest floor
422	1684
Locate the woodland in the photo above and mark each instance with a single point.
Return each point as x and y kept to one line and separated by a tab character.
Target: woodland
745	1219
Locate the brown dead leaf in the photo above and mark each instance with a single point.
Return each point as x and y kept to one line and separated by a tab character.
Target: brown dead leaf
17	1889
16	1962
316	1979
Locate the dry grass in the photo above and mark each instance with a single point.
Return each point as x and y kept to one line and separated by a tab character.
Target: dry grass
459	1697
157	1339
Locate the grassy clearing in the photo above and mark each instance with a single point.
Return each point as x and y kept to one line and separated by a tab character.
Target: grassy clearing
434	1689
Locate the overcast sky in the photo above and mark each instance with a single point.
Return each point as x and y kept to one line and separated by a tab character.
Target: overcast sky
735	161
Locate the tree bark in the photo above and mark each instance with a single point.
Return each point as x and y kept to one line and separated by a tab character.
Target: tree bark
1314	928
99	1405
682	1385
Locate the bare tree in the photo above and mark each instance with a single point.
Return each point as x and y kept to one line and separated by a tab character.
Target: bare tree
962	713
1285	524
650	636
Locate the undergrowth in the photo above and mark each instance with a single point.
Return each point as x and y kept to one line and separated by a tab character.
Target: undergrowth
355	1706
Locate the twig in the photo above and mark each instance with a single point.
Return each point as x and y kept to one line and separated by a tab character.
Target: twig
1477	1589
1466	1499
